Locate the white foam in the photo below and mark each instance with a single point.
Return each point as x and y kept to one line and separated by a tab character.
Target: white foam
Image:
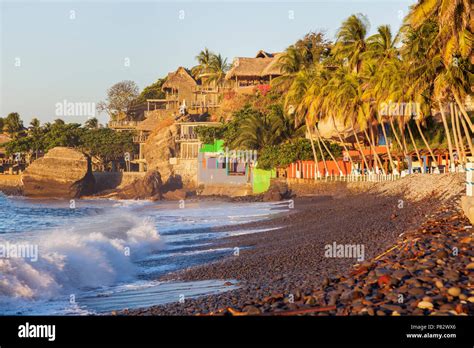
91	254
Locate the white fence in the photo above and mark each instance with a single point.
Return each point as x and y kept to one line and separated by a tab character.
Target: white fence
469	178
360	178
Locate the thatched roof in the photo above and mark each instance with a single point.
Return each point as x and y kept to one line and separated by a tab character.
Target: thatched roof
178	78
274	68
263	54
264	64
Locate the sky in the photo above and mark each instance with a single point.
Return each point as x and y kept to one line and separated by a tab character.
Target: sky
60	54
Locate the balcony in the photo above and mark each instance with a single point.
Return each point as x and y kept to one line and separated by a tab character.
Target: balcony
204	104
124	124
140	138
186	138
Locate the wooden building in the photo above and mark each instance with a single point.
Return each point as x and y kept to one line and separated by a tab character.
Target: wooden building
246	71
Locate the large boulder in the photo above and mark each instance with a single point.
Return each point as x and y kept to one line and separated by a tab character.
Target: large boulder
277	191
160	147
148	187
62	173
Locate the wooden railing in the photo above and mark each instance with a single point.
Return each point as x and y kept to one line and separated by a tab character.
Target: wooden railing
123	124
186	137
140	138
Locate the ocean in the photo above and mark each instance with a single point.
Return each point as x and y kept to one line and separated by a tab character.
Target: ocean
93	256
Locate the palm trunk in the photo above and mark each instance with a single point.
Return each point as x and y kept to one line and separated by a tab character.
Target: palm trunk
463	110
322	154
359	146
455	133
415	147
372	148
316	161
468	137
448	136
404	139
342	142
374	144
394	131
329	151
458	134
388	148
426	143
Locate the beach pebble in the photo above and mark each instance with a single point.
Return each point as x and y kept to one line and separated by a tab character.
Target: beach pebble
454	291
425	305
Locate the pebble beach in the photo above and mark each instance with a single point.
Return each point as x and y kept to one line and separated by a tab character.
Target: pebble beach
418	257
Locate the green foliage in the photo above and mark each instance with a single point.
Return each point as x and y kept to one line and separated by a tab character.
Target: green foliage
106	144
284	154
13	124
102	143
92	123
152	91
209	134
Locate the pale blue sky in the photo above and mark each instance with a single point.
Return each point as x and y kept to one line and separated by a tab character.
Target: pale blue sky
78	59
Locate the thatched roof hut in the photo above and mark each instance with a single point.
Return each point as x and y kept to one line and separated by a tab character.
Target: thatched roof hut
263	66
179	78
273	68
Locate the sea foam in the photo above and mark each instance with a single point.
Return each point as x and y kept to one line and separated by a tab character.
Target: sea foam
93	253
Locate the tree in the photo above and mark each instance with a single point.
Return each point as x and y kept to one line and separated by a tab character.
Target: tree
92	123
217	69
120	98
204	59
13	124
106	144
153	91
351	44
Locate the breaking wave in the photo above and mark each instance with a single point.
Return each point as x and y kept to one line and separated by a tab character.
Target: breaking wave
94	252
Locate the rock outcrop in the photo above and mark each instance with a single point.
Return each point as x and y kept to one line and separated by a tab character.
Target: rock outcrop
147	188
160	147
62	173
278	190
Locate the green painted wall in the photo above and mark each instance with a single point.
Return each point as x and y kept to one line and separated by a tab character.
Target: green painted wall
261	179
217	146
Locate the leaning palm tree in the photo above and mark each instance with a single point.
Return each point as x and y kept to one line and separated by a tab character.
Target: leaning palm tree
351	41
454	40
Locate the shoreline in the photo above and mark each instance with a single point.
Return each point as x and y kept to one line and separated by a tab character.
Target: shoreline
290	260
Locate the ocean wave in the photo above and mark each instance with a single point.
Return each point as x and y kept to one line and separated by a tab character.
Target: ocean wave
94	252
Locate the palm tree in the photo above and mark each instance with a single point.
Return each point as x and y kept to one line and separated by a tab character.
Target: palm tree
351	40
217	69
454	40
204	59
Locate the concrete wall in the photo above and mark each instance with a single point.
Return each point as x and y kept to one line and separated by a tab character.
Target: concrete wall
187	169
112	180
